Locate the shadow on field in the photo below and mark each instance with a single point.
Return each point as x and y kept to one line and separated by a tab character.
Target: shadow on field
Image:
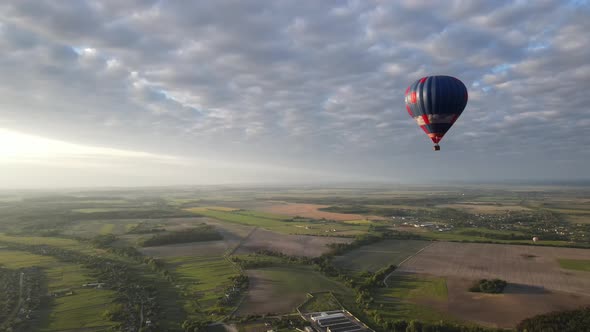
524	289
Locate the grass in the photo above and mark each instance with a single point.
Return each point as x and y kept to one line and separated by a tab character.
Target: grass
291	284
456	236
82	310
280	223
375	256
358	222
578	219
204	279
91	228
475	207
107	229
324	301
297	279
220	208
246	218
17	259
575	264
110	209
401	300
39	240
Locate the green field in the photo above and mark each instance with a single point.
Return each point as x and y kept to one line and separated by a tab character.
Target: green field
40	240
299	279
321	301
91	228
378	255
240	216
454	236
280	223
110	209
284	288
575	264
107	229
203	279
400	300
82	309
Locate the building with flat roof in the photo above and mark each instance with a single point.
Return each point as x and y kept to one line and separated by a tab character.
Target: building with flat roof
337	321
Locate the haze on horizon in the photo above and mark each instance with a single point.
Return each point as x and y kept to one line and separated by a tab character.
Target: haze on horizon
146	92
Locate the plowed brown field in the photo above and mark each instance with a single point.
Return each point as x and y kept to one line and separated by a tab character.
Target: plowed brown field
536	283
527	265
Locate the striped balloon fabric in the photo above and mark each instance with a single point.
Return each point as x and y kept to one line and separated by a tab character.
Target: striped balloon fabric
436	102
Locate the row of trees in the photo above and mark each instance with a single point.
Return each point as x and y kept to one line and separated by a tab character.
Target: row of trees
376	234
577	320
418	326
197	234
265	258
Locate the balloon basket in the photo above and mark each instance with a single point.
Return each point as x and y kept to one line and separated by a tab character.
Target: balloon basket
436	147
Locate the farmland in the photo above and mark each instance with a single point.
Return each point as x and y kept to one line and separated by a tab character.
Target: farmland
202	279
295	245
527	265
575	264
413	297
375	256
308	211
83	308
504	310
536	280
273	246
321	301
282	289
282	224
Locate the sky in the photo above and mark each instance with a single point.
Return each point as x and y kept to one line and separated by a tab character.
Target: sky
146	92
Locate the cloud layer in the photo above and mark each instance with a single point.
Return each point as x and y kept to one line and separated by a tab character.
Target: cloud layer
315	85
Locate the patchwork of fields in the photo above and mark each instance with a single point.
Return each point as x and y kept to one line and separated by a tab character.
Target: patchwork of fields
191	278
282	223
309	211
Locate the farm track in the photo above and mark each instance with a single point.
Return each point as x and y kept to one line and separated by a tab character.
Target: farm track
242	241
402	262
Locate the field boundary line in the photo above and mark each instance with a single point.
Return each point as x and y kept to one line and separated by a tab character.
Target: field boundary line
226	256
242	241
405	260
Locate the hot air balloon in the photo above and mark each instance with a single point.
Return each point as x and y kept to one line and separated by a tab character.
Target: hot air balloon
436	102
535	239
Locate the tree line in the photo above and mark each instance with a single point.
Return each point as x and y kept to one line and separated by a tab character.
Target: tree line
197	234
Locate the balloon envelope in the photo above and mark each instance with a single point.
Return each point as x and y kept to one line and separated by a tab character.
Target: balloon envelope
436	102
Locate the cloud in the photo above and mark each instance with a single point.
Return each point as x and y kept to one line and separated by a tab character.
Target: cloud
312	85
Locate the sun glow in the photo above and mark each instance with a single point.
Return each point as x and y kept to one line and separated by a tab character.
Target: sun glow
23	148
